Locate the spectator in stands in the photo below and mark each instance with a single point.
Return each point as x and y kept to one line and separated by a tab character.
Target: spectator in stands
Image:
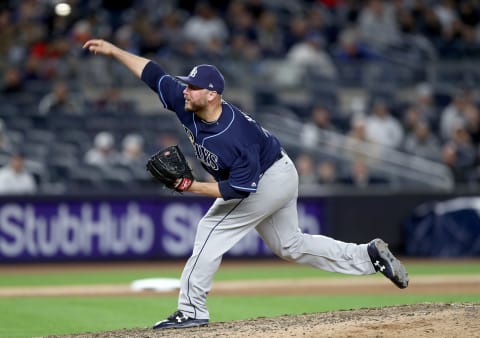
449	158
357	140
327	172
124	37
377	24
310	54
103	152
360	175
242	21
205	25
111	100
33	69
425	104
430	25
469	14
453	114
411	117
464	148
269	35
423	143
306	169
351	48
297	31
132	151
357	130
60	100
472	122
7	38
160	37
255	7
382	128
406	21
242	49
313	130
5	144
115	10
446	13
14	178
12	81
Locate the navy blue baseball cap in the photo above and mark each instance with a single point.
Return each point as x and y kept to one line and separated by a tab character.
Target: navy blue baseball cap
205	76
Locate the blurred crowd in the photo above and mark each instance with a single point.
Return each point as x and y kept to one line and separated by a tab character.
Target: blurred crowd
43	66
44	44
448	134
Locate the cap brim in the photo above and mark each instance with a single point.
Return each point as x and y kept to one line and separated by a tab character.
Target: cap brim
187	80
183	79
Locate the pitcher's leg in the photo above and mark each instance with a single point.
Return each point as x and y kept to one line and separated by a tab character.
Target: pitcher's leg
219	230
195	284
282	234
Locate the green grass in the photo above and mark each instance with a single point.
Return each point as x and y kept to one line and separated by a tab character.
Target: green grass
62	315
83	278
36	316
119	275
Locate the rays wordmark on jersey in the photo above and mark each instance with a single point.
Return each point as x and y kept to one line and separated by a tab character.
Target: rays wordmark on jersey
203	154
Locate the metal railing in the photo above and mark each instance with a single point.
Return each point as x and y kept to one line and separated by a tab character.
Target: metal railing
416	170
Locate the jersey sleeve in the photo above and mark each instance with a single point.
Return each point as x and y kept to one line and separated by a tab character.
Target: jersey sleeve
169	90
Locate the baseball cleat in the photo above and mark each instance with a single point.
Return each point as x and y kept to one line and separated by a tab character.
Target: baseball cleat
179	320
385	262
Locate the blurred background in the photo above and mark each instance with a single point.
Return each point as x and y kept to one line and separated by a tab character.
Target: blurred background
376	102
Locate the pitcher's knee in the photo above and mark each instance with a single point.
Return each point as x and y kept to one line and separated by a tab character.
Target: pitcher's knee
292	251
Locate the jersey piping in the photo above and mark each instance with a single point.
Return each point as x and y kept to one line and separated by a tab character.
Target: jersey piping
160	92
201	250
224	130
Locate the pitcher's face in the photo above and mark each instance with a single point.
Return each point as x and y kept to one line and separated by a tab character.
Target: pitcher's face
196	98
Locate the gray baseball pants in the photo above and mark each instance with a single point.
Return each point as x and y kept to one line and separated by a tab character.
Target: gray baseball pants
272	212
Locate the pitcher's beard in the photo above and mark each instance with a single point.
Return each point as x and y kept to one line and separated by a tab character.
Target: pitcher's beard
192	107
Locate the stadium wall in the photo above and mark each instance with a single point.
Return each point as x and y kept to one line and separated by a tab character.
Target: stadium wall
130	227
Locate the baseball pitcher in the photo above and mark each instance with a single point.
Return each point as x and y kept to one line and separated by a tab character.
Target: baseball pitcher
256	187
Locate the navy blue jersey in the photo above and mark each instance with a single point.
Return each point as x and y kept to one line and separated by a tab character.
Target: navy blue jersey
235	149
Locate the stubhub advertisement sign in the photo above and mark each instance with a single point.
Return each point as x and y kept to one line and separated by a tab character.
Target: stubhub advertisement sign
38	230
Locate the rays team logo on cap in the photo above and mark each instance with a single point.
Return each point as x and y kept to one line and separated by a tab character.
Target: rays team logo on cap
205	76
193	72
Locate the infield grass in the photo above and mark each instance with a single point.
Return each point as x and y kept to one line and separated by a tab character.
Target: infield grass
39	316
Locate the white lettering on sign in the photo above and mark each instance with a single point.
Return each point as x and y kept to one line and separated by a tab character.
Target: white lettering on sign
96	229
24	232
180	221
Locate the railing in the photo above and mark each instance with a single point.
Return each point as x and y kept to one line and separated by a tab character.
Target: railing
417	170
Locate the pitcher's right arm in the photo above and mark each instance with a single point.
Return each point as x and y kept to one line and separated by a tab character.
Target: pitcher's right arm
133	62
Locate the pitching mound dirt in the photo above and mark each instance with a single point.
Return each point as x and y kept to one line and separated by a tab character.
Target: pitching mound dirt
419	320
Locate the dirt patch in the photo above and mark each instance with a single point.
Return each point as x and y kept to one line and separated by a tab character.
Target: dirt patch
419	320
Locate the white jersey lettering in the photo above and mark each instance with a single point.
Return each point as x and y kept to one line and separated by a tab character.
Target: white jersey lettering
207	157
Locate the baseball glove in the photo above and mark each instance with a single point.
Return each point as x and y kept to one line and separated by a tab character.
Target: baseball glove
170	167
